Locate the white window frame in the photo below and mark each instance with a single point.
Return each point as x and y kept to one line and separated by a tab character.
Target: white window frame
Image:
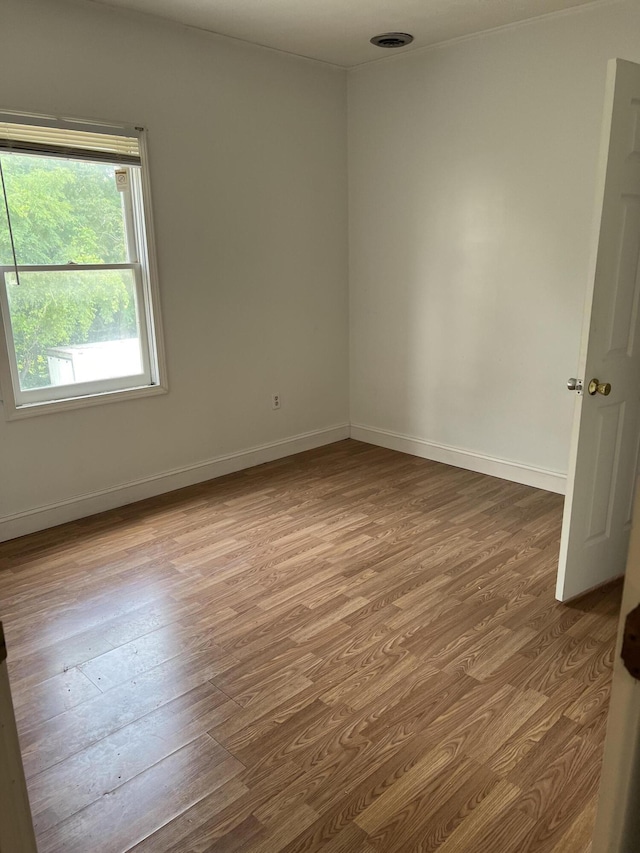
142	261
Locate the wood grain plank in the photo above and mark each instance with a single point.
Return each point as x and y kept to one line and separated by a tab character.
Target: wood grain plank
120	819
54	695
352	649
98	770
49	743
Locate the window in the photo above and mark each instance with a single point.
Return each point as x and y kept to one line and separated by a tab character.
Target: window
77	290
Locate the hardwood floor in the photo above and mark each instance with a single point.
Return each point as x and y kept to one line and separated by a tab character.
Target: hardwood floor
347	650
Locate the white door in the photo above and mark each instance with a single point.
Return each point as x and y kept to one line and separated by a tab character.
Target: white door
606	432
618	822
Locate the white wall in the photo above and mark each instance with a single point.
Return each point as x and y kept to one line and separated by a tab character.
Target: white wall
248	169
472	172
471	179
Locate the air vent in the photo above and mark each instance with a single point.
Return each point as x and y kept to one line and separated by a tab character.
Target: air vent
392	40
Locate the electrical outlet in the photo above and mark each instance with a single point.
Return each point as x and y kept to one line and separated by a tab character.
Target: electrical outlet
275	401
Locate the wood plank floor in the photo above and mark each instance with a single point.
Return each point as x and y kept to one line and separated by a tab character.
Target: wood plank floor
348	650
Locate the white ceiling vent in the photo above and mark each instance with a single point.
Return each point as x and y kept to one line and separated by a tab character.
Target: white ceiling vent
392	40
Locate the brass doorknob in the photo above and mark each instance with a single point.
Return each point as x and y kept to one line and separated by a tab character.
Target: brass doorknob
596	387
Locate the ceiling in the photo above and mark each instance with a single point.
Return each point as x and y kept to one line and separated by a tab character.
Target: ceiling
338	31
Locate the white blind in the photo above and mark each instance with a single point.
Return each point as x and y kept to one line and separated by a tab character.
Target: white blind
60	139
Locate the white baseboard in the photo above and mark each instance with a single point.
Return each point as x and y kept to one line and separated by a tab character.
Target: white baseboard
80	506
39	518
551	481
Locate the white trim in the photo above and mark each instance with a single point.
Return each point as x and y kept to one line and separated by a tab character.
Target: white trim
47	407
143	214
42	517
528	475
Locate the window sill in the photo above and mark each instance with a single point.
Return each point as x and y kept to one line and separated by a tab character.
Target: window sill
29	410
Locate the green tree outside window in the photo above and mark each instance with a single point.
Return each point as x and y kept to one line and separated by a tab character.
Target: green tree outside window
63	211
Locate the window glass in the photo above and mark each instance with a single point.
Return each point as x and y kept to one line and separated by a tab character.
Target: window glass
74	326
62	211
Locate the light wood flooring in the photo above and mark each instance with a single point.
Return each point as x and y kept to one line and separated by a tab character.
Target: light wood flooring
348	650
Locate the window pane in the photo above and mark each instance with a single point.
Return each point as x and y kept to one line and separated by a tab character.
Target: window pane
61	211
74	326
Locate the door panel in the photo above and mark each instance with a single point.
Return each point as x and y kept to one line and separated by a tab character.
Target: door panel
609	420
606	432
625	303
